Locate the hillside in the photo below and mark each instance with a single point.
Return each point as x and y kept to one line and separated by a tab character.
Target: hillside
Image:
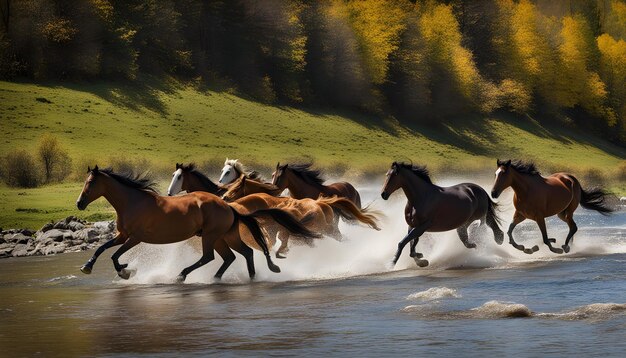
168	122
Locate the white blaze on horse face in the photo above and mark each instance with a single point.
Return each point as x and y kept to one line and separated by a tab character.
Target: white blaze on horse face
498	172
177	183
228	174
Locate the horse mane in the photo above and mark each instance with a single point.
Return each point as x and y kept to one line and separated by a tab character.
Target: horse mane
304	171
419	170
136	181
267	188
206	182
235	163
524	167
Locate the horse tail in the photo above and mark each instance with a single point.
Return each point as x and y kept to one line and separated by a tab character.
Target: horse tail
290	222
348	211
595	199
494	221
253	225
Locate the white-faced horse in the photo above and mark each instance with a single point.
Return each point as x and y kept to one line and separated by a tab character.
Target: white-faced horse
233	169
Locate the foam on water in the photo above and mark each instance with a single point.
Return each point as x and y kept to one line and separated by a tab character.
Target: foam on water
434	293
365	251
498	309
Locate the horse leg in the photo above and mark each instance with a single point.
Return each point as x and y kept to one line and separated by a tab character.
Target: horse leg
227	255
463	235
284	241
544	233
568	218
117	240
208	255
121	269
413	254
414	233
248	254
518	218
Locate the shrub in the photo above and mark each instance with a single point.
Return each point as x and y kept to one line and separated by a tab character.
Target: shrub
55	161
21	170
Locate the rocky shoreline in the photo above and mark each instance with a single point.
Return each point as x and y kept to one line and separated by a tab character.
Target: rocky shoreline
68	235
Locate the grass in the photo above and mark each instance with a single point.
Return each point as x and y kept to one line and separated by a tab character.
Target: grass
167	122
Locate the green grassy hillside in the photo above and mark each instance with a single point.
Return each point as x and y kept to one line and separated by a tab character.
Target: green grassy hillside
165	123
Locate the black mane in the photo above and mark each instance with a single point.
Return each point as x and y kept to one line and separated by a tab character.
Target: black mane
304	171
419	170
206	182
524	167
128	178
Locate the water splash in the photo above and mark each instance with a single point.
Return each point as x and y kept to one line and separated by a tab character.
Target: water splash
364	251
434	293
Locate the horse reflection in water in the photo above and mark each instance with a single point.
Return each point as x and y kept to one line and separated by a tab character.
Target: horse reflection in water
144	216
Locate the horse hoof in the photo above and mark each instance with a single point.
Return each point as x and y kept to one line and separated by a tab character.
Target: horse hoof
528	251
85	269
274	268
421	262
180	279
416	255
552	240
471	246
565	248
535	248
556	250
279	256
124	273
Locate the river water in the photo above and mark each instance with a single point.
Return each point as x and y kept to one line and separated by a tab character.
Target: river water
337	298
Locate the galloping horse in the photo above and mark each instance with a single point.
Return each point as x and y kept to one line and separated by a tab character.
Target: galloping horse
304	182
189	178
537	197
144	216
317	214
233	169
431	208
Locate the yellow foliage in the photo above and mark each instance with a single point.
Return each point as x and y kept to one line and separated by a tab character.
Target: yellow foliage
378	25
59	30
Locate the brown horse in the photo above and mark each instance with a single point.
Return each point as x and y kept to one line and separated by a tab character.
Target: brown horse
144	216
304	182
431	208
188	178
317	214
537	197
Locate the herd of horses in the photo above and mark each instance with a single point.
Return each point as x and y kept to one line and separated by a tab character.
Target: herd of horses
242	212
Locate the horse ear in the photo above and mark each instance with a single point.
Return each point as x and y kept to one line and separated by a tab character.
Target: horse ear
95	169
508	163
88	169
498	162
178	165
277	165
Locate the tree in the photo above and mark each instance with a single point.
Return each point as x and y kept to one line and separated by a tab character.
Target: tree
54	159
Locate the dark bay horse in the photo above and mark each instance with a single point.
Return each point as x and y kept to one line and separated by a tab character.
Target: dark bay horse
537	198
431	208
144	216
188	178
319	215
304	182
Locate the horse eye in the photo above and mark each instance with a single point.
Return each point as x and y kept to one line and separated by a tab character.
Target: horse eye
178	178
228	172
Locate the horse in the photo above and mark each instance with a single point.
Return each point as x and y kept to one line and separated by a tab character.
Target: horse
317	214
144	216
431	208
537	197
190	179
233	169
304	182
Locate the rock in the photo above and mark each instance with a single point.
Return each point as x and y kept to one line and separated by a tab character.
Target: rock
17	238
47	227
6	252
27	232
20	250
75	226
61	225
88	235
104	226
2	240
55	248
51	235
